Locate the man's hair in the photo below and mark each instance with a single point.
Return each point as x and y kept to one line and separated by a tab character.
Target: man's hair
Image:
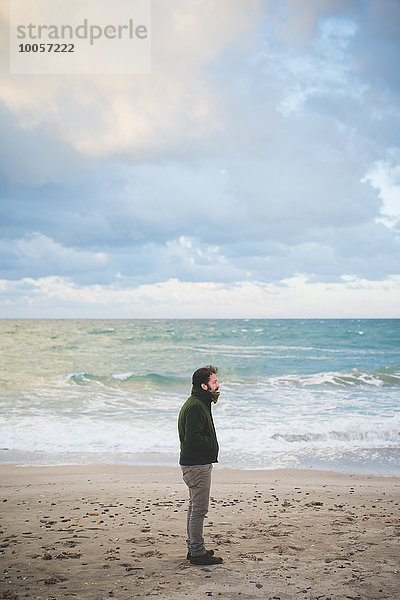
203	375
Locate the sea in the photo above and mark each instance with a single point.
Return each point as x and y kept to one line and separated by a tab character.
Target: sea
295	394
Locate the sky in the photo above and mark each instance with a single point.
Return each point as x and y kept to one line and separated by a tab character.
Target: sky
253	173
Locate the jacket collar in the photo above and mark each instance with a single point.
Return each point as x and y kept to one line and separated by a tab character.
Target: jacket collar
204	395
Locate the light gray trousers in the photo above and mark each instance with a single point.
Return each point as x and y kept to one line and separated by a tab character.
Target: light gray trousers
198	480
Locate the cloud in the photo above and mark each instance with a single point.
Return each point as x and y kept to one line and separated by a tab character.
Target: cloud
140	115
160	221
264	144
385	176
38	255
293	298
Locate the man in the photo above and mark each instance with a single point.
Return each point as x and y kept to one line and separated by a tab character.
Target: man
199	449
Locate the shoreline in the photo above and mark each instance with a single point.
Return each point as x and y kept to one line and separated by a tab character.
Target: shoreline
102	531
216	469
381	461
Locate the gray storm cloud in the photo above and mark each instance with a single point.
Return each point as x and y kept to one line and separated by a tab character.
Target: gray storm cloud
244	156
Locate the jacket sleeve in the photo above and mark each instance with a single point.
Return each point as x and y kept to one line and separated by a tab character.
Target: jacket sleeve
195	436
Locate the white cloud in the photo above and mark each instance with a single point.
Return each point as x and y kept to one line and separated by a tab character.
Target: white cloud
295	297
263	144
143	114
39	255
326	70
385	176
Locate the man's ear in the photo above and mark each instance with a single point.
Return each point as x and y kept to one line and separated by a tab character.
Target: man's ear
203	386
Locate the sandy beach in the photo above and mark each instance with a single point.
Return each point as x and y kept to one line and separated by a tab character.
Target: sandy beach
100	532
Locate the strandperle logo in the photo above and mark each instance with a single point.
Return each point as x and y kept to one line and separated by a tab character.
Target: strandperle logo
80	37
85	31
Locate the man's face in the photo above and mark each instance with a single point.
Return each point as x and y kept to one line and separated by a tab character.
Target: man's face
212	385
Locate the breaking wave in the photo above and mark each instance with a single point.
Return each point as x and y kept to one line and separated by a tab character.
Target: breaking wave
373	437
354	377
117	379
389	376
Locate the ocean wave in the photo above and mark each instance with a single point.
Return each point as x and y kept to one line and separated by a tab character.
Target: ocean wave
270	349
357	435
386	377
354	377
154	435
354	437
116	379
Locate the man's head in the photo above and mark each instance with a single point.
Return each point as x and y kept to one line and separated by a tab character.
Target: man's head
206	378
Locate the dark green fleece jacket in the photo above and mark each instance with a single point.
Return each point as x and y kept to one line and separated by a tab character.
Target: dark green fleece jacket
199	445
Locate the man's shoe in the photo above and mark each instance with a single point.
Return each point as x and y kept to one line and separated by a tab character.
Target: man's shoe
205	559
210	552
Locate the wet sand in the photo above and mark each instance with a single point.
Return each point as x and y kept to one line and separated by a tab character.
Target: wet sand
99	532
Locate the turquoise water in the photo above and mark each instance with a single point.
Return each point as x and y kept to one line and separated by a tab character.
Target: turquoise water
294	393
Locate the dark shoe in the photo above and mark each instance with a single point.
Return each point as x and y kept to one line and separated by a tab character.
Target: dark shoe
210	552
205	559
